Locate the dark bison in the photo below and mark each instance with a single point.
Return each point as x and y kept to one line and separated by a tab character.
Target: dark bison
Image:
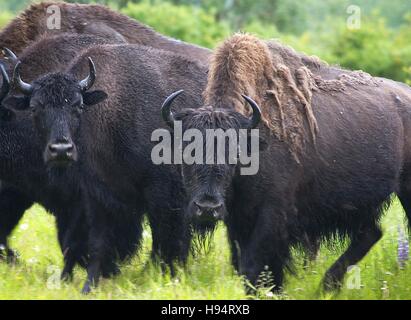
88	22
32	25
92	20
102	138
336	147
25	179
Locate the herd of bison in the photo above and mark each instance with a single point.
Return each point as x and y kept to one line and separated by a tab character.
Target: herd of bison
78	107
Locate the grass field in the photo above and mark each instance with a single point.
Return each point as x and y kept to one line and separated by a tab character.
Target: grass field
208	276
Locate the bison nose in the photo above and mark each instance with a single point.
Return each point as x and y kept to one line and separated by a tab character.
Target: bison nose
61	149
209	209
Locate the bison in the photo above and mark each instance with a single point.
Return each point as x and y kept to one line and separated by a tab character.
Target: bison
31	25
79	23
25	178
101	138
334	147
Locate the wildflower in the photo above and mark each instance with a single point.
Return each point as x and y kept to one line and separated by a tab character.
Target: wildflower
403	248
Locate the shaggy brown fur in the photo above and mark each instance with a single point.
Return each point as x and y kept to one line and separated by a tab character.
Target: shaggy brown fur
92	19
317	72
283	54
244	64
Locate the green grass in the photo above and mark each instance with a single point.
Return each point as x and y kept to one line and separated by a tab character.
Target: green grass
208	276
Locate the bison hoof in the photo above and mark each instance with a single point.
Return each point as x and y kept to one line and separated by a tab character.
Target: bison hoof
87	288
66	276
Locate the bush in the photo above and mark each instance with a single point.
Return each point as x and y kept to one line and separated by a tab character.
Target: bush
408	72
369	48
182	22
402	51
5	17
261	30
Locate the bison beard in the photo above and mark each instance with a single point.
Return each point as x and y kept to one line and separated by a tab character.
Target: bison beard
329	168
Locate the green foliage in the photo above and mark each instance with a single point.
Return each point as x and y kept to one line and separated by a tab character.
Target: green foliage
13	5
298	16
5	17
374	48
187	23
408	72
402	51
368	48
262	30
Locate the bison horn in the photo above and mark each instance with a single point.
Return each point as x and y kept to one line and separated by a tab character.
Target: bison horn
88	82
10	55
6	83
255	119
166	113
25	88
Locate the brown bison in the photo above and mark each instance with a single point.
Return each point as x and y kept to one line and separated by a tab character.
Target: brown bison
32	24
336	146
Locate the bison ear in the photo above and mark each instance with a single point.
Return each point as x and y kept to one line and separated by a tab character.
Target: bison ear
17	103
94	97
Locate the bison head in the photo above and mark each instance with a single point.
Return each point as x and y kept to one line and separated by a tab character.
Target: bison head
209	184
56	102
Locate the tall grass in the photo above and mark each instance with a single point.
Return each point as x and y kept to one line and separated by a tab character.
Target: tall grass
208	276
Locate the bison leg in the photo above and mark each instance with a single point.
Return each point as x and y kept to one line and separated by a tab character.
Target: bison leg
72	234
100	246
405	196
264	254
171	238
96	259
13	204
360	244
169	227
126	232
69	263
